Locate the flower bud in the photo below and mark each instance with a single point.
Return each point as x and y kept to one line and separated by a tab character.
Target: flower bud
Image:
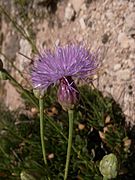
25	175
68	95
108	166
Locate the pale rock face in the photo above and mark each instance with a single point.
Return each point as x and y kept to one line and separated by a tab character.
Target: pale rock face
12	100
10	46
25	48
130	24
123	74
117	67
123	40
69	12
82	23
77	4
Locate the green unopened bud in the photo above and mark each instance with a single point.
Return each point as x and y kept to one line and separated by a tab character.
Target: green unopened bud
108	166
25	175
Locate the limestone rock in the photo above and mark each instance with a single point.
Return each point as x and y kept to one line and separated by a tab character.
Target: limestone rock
116	67
123	74
123	40
69	12
77	4
82	23
130	24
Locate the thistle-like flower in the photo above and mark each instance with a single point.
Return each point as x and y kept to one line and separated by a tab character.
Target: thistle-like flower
63	65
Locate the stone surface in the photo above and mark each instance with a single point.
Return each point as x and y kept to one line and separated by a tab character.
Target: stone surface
82	23
12	100
25	49
69	12
117	67
77	4
123	40
123	74
10	46
130	24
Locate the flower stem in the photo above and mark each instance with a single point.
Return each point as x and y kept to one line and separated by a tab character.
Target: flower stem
70	114
41	107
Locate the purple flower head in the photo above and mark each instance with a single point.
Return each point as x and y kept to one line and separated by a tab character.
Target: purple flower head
73	61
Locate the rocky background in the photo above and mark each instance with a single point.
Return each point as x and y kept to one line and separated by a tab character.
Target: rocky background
105	24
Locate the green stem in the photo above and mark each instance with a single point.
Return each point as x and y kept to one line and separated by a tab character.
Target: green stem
70	114
41	107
